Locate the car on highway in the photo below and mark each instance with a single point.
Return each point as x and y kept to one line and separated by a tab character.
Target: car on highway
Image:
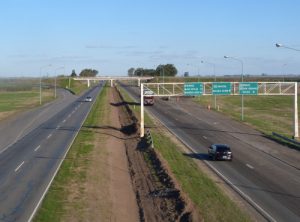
220	152
88	99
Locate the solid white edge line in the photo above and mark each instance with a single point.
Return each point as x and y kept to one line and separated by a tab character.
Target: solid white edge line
39	146
19	166
245	196
242	194
49	136
62	159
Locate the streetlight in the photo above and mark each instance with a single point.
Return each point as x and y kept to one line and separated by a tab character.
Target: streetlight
62	67
41	81
296	95
214	69
242	64
287	47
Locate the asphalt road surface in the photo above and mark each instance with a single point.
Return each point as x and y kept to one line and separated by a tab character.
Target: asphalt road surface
29	163
265	173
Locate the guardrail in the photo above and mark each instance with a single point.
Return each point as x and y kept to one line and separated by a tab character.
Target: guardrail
286	139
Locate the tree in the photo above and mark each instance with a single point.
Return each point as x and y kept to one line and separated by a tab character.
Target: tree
73	74
186	74
131	71
139	72
166	70
88	73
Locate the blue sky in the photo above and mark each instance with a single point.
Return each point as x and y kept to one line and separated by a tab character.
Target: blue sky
112	36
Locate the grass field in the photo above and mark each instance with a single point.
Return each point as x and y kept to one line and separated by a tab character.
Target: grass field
73	170
199	187
75	86
17	101
266	113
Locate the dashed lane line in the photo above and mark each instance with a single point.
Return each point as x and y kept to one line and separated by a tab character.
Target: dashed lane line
19	166
49	136
36	149
248	165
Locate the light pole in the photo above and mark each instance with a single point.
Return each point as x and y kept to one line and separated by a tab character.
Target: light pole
62	67
296	130
41	81
287	47
242	64
214	70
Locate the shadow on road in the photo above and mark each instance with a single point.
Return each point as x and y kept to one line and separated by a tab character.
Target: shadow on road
198	156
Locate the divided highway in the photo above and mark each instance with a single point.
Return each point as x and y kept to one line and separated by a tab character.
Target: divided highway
264	172
28	166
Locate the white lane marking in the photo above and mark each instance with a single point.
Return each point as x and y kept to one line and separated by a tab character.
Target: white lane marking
58	127
39	146
248	165
244	195
215	123
47	188
205	137
64	121
19	166
49	136
69	115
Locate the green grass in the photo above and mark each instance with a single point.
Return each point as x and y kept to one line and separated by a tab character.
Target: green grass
265	113
10	101
198	186
16	101
75	86
73	169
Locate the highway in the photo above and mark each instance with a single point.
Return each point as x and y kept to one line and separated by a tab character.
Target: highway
265	173
30	162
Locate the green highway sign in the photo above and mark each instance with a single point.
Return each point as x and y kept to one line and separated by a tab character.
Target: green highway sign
221	88
248	88
193	89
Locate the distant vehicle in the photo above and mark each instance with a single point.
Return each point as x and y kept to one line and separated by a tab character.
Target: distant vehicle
148	97
220	152
149	100
88	99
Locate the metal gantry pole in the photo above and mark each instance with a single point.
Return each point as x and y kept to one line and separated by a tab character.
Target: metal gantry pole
296	131
142	110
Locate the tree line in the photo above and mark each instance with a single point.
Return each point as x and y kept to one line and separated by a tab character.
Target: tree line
161	70
85	73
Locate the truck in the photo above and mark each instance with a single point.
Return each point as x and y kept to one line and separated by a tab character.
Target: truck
148	97
149	100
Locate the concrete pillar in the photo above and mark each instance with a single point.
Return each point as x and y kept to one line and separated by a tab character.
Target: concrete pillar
111	83
88	82
139	82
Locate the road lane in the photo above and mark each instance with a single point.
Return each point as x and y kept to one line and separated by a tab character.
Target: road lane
273	182
27	167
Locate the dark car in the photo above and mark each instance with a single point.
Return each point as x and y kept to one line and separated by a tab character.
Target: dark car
220	152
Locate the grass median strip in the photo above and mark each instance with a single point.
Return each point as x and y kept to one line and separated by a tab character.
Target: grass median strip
67	190
211	202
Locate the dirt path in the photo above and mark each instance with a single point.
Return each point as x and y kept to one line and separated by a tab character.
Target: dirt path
158	197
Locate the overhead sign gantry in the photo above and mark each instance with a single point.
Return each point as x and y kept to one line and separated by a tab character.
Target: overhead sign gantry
222	88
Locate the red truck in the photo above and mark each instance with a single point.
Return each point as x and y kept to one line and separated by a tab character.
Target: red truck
149	100
148	97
